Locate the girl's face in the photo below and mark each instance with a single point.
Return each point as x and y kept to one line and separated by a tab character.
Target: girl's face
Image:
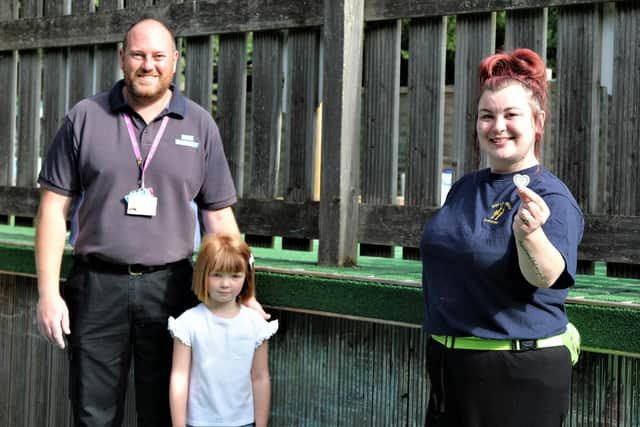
506	128
225	287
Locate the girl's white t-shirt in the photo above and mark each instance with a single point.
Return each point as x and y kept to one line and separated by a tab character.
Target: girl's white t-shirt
220	392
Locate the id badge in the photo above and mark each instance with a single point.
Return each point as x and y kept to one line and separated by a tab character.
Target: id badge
141	202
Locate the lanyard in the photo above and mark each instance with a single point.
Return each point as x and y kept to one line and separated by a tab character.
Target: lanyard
136	146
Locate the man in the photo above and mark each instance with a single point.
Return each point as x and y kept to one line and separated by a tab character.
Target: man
131	160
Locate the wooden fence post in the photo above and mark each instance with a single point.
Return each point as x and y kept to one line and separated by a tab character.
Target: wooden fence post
342	77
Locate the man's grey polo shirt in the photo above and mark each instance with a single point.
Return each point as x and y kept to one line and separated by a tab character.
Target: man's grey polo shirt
92	160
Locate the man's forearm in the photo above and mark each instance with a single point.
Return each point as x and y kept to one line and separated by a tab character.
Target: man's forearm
50	239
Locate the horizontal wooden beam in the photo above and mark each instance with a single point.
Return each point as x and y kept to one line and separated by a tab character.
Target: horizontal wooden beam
185	19
608	238
396	9
197	18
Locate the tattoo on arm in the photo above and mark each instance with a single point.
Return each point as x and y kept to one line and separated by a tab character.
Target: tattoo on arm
533	261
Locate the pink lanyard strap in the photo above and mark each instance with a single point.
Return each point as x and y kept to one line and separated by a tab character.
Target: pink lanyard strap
136	146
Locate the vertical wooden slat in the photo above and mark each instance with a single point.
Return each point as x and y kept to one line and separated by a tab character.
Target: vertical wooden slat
379	161
138	3
266	120
8	87
475	39
106	55
81	60
577	105
198	71
427	56
29	93
577	101
54	87
342	33
527	28
301	121
232	101
625	124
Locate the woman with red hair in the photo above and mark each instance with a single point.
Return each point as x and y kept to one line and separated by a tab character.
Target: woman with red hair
501	348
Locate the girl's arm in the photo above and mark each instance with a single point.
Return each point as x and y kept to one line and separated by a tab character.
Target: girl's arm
261	383
179	387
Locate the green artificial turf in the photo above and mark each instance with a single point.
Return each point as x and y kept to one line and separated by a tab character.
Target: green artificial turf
606	310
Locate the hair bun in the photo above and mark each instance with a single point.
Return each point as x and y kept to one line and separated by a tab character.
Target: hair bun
522	65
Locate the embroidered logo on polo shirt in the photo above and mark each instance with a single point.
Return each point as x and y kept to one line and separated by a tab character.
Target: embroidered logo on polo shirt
498	211
187	141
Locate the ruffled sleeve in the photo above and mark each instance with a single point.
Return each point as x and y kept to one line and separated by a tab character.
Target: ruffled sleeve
266	331
177	330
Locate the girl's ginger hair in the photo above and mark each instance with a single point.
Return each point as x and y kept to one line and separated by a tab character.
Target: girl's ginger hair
524	67
223	253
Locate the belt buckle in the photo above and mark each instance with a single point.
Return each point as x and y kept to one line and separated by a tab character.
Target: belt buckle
132	272
524	345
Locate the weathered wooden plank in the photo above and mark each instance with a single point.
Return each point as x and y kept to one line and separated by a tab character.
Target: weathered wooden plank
427	56
380	110
199	18
8	10
301	122
106	55
577	104
80	62
624	154
81	58
527	28
380	116
232	99
475	39
390	9
8	86
266	121
266	114
198	72
109	5
342	76
29	92
138	3
610	238
301	113
54	85
426	117
223	16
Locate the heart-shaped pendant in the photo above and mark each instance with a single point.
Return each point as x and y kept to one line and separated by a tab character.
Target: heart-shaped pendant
521	180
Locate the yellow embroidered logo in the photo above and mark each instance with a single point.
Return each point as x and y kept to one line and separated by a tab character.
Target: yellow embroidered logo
498	210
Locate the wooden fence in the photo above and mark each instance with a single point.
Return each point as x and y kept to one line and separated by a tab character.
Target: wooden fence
306	119
313	142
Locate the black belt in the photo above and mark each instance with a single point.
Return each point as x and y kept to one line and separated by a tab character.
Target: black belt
99	264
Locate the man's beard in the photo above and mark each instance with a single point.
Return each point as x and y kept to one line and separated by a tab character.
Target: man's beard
146	94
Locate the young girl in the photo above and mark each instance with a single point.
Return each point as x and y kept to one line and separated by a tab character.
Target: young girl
220	372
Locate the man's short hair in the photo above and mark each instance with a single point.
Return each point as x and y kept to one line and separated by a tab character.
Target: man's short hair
148	18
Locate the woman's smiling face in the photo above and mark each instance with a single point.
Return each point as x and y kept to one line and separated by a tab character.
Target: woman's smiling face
506	127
